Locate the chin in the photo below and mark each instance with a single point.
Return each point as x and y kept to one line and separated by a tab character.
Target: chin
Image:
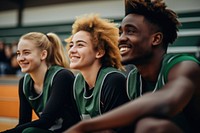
23	70
125	61
73	66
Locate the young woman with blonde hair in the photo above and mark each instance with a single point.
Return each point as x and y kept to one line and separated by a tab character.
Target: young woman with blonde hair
46	87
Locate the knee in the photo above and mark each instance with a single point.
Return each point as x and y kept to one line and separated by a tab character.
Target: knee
146	125
153	125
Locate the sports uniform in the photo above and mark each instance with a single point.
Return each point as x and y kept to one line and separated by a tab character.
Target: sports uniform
135	85
108	93
54	105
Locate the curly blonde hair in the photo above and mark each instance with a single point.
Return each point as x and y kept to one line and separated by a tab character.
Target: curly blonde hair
104	34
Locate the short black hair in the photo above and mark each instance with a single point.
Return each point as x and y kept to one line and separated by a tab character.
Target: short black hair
156	12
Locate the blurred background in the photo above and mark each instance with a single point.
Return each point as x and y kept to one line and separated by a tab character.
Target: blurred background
18	17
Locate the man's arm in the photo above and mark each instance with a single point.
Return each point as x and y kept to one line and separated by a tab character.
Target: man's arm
183	79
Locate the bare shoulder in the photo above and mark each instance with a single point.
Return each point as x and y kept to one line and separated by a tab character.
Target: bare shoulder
185	79
188	69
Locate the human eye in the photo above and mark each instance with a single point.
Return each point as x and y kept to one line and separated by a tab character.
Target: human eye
120	32
70	45
18	53
26	52
131	30
80	44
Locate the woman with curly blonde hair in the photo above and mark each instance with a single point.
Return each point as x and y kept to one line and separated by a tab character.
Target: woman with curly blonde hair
93	50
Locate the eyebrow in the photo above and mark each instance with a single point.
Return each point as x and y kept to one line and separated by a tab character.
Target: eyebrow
130	25
127	25
79	41
24	50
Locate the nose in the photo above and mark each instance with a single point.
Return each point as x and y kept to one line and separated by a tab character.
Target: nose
122	37
20	58
72	49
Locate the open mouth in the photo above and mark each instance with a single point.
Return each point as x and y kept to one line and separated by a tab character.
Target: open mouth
74	58
23	65
124	49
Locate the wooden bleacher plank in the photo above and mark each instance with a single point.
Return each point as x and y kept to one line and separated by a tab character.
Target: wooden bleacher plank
9	102
7	123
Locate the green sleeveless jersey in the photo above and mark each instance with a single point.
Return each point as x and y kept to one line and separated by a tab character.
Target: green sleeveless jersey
134	79
134	83
38	102
90	106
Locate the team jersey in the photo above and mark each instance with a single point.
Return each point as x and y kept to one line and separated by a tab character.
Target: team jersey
55	105
38	102
135	88
90	106
134	79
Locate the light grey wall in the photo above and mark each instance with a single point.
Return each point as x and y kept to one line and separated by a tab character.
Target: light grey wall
63	13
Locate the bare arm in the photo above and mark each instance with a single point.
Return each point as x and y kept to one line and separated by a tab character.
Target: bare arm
183	79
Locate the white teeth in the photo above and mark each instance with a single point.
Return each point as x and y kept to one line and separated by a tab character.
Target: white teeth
123	49
73	59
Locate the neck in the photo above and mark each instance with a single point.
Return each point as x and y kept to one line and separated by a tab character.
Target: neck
151	69
38	76
90	75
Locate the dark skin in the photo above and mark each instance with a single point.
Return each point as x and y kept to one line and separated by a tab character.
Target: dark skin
144	46
138	39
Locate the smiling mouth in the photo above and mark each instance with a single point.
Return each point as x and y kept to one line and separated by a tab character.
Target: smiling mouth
124	49
23	64
74	59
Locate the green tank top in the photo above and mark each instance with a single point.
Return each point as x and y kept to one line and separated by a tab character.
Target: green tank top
134	80
38	102
90	106
134	83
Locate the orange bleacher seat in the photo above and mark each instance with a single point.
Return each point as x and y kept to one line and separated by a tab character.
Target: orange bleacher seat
9	104
9	101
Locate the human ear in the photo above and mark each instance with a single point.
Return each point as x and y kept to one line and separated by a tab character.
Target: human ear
100	53
43	55
157	38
